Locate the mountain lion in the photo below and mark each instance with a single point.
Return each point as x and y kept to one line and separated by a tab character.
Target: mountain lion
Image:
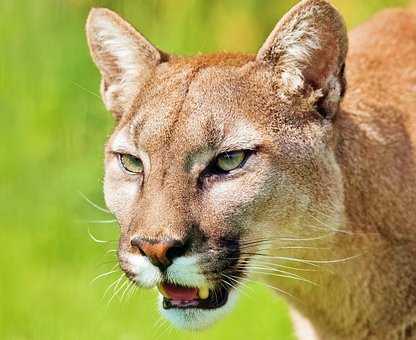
294	166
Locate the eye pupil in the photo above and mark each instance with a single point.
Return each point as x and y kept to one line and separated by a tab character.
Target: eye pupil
131	163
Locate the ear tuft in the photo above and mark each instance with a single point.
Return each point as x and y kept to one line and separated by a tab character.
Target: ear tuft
308	47
124	57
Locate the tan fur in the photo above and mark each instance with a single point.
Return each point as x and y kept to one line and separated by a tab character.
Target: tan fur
332	186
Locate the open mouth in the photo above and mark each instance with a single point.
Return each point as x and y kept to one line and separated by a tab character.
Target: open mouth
175	296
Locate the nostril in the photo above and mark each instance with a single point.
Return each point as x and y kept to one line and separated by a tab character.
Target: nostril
177	249
159	252
136	243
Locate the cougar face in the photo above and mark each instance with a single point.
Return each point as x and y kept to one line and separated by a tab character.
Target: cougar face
213	155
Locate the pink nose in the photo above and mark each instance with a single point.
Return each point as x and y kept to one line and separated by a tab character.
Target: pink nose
160	253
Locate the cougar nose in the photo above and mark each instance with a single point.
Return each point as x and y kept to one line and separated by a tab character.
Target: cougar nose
160	253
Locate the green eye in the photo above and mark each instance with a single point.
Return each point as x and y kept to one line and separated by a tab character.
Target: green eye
131	163
228	161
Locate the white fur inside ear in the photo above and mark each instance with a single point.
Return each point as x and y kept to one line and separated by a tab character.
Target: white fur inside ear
308	45
296	46
123	50
124	57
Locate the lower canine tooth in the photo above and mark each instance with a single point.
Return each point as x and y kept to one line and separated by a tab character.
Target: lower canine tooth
162	291
203	293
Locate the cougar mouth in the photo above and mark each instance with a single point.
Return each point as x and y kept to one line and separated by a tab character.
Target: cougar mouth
181	297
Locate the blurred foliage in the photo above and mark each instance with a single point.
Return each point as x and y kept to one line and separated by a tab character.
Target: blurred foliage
52	129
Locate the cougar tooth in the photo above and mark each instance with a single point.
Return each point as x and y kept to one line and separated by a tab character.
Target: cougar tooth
162	291
203	293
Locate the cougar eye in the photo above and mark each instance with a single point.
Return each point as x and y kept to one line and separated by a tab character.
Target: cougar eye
131	163
229	161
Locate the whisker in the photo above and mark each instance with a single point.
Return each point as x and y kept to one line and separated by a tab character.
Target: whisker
93	204
271	287
256	266
323	261
278	290
158	322
239	282
301	247
132	291
270	240
234	286
271	272
165	326
85	89
345	259
290	238
98	221
112	271
113	262
215	295
96	240
293	259
125	290
273	264
326	224
323	226
116	291
306	261
114	284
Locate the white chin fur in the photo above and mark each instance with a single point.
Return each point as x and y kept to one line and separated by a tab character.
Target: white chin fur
194	318
185	271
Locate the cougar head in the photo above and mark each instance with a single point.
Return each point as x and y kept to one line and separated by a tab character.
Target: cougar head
212	155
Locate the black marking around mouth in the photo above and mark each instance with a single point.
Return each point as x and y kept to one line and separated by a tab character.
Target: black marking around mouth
225	259
230	257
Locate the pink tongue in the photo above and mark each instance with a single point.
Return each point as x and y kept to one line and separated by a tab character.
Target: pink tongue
180	293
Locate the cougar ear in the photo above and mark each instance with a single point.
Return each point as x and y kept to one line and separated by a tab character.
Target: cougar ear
124	57
308	47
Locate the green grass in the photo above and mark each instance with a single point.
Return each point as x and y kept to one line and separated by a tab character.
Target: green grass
51	135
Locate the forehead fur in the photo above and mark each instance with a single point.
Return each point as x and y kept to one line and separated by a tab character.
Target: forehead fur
199	101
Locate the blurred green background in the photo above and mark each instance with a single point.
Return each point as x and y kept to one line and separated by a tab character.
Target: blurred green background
52	129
